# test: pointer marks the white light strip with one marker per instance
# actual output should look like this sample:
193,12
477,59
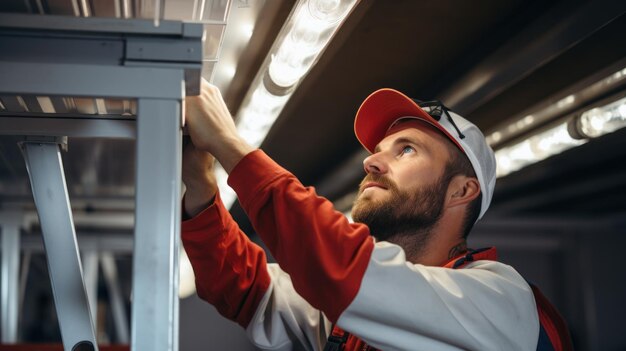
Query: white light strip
590,124
303,38
534,149
525,124
308,32
255,120
602,120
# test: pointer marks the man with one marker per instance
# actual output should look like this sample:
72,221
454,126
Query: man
415,287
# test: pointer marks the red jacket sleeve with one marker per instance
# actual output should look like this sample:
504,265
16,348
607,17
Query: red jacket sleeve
324,254
230,270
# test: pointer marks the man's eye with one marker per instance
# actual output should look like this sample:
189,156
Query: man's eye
408,149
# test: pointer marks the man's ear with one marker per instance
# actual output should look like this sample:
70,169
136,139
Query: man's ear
462,190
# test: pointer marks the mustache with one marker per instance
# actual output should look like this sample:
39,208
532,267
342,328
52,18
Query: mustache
382,180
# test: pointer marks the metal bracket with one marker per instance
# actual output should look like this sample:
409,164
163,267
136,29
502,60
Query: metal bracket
61,141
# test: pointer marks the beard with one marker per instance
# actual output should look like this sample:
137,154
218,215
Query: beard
404,215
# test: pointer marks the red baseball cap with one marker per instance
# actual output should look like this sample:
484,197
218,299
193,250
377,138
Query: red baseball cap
379,112
384,107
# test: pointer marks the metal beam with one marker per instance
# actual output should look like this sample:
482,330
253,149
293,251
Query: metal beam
157,49
90,270
45,47
152,73
118,307
45,169
117,243
10,223
529,51
72,127
103,42
23,279
102,25
101,49
157,226
108,220
90,80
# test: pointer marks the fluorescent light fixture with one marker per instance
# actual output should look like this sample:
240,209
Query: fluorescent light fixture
258,117
602,120
534,149
302,40
592,123
310,29
586,92
574,130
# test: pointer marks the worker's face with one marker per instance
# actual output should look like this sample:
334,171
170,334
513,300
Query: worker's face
403,190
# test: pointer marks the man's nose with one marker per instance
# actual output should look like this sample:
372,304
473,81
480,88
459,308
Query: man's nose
375,164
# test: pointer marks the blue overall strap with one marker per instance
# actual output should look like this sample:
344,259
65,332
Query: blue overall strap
544,343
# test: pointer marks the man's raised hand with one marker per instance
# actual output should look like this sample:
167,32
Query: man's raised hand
212,128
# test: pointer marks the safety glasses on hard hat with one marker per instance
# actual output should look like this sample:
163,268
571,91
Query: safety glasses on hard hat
436,109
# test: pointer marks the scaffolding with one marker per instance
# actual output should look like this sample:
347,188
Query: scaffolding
146,69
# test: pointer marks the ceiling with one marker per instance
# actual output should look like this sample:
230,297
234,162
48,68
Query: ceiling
532,53
492,61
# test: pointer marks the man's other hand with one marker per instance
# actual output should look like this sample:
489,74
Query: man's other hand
199,178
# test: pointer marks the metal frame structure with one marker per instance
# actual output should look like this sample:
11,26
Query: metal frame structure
11,248
108,58
45,169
